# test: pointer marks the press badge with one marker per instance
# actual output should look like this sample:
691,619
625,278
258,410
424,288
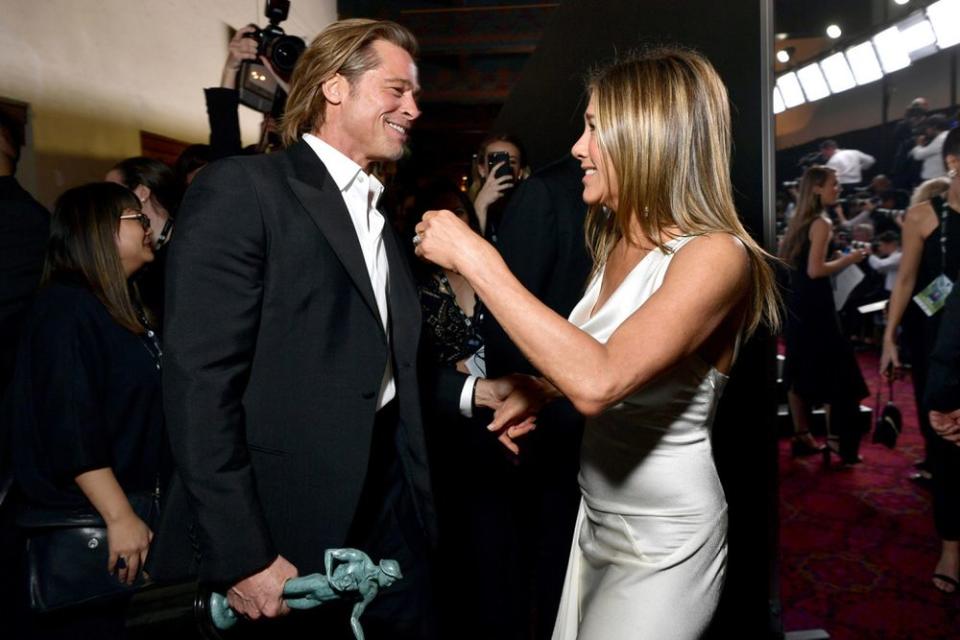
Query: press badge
932,299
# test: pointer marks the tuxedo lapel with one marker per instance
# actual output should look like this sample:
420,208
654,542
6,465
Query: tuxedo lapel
323,202
403,300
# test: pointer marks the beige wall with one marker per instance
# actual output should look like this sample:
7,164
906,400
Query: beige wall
97,72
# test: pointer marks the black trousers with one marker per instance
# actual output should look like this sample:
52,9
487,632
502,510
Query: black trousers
945,464
506,526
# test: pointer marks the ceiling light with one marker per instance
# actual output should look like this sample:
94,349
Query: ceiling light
778,106
813,83
783,56
945,18
891,49
838,73
834,31
864,64
790,90
901,2
918,36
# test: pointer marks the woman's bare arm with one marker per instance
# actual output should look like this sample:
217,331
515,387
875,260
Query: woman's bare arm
705,282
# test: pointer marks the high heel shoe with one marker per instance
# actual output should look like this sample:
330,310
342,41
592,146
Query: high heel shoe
804,445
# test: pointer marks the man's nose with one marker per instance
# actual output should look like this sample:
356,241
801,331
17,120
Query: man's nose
410,108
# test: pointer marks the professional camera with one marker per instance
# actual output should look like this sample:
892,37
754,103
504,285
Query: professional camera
281,50
256,87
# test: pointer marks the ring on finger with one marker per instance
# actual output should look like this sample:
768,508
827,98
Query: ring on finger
417,239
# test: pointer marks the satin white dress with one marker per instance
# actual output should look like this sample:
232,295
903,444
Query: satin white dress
649,553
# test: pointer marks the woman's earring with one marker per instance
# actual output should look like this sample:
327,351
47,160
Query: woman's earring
952,173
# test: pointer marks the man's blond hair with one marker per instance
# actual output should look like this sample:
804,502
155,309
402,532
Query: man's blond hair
344,47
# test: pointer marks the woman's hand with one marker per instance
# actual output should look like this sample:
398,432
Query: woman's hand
241,48
519,409
492,190
857,255
129,540
446,240
889,358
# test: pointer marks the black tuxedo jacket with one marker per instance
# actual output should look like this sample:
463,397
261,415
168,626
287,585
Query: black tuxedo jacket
274,355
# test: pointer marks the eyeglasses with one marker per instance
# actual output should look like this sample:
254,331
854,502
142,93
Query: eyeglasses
142,217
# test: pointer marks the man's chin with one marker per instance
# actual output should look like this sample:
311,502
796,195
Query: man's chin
395,153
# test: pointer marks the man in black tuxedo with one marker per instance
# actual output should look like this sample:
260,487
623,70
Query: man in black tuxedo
525,512
292,328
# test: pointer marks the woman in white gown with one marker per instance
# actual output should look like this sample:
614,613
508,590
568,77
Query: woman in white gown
644,353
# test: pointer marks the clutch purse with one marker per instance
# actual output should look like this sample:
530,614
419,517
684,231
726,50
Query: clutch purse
889,421
67,554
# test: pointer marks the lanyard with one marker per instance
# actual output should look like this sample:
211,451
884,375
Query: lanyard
944,212
150,340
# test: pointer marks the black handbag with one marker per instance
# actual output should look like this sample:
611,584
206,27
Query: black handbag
67,554
889,420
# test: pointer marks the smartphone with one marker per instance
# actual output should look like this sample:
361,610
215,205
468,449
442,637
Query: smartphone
493,159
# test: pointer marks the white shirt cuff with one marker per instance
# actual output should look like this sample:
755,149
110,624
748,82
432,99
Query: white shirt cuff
466,397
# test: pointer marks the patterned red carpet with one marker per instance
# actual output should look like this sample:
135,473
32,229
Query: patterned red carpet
858,547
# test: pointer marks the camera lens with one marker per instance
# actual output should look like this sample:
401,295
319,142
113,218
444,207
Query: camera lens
285,51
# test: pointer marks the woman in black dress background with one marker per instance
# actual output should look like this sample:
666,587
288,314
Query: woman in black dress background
820,365
931,248
85,401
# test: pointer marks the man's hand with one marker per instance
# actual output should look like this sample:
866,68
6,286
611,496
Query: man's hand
240,49
492,394
947,425
262,593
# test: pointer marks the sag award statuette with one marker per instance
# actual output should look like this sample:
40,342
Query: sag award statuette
350,574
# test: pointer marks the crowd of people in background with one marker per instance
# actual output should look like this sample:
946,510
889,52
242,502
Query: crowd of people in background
901,232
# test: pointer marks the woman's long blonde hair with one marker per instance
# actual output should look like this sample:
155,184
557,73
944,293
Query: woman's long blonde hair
663,121
809,208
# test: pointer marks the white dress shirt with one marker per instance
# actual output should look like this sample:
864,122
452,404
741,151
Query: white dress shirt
932,157
888,267
361,192
849,165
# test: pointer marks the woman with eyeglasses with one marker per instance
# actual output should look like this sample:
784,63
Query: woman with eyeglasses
159,190
85,402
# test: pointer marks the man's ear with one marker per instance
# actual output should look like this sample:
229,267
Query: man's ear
142,192
334,88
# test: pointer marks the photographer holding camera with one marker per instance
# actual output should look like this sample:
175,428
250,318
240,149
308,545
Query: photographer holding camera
501,163
251,50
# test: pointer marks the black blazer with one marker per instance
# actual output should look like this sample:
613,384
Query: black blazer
943,377
274,354
541,238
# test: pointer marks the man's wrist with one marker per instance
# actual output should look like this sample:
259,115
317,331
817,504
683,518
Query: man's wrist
468,397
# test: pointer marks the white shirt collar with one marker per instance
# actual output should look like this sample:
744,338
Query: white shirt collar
342,169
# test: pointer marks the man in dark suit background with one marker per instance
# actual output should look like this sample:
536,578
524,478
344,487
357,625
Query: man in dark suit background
525,512
292,328
24,228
